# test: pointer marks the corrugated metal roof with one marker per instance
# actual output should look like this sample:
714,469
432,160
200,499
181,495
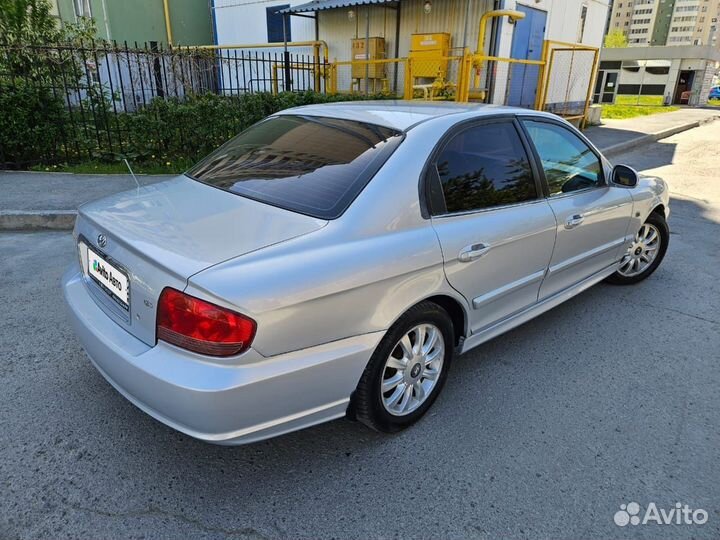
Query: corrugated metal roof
320,5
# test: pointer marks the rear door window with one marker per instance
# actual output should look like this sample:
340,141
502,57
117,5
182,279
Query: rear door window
485,166
307,164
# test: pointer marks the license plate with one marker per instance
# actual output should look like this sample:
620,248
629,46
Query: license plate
113,280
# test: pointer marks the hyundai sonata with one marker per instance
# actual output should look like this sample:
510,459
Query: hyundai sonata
331,260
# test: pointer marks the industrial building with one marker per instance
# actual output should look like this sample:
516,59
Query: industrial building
397,29
673,75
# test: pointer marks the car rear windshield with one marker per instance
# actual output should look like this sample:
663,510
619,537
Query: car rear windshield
311,165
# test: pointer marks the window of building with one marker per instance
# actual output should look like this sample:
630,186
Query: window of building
82,8
581,27
485,166
275,22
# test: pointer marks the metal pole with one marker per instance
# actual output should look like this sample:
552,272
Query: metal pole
397,46
642,80
367,49
168,25
465,29
286,56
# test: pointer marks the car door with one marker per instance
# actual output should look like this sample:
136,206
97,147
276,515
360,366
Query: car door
495,228
592,216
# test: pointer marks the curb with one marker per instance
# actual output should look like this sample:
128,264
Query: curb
65,173
653,137
37,220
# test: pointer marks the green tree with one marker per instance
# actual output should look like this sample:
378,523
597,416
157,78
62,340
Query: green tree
28,22
615,39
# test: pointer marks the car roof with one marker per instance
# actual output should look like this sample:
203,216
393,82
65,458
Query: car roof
397,114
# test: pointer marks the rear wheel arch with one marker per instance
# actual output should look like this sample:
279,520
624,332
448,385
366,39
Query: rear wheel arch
369,401
455,310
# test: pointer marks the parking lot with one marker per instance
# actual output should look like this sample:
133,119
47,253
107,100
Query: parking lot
544,432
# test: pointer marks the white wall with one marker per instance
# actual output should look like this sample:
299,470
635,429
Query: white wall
563,24
244,21
563,21
241,22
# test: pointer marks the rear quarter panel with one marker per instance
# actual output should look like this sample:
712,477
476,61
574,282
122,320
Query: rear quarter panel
356,275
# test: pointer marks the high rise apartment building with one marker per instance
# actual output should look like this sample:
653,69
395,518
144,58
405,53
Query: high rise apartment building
667,22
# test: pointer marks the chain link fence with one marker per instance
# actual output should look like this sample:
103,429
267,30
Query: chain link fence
567,80
560,81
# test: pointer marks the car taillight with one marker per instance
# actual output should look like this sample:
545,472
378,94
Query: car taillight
200,326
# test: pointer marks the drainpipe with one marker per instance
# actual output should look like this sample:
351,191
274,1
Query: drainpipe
494,47
286,55
168,26
397,44
105,20
465,29
367,48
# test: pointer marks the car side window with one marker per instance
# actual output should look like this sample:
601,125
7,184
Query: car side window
485,166
569,163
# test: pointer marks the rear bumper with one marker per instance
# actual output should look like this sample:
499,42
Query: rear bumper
246,399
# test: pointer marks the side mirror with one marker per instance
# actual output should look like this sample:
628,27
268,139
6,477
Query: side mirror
624,176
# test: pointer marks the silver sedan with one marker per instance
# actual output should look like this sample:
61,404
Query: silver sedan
332,260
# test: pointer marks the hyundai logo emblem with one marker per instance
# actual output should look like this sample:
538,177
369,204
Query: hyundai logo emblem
102,241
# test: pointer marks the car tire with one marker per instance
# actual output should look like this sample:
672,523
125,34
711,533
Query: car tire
626,275
399,385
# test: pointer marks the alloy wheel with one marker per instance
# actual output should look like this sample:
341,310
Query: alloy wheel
412,370
642,252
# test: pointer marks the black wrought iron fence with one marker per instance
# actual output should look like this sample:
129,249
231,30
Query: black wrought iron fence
100,100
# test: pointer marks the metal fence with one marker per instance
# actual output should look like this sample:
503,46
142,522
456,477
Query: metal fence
101,87
101,84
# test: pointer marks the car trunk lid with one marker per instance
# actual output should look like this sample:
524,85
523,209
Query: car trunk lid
160,235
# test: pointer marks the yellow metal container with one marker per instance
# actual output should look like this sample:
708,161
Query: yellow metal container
426,53
376,45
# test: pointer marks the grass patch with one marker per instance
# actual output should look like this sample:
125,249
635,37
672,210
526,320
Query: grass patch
638,100
619,112
99,167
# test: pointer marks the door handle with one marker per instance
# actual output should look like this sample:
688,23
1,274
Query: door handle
472,252
574,221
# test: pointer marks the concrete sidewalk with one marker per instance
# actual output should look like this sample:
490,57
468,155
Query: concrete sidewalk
616,136
36,200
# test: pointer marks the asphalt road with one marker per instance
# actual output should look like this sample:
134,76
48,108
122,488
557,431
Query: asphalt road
544,432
